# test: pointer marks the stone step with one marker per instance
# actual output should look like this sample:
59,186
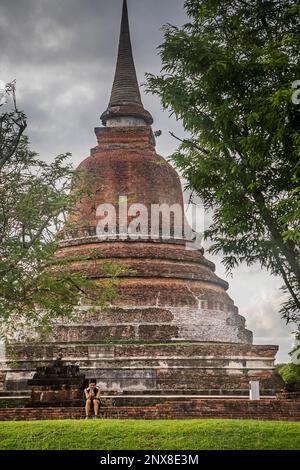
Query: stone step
14,402
115,399
133,400
131,350
167,366
214,393
13,393
156,363
188,409
182,379
11,399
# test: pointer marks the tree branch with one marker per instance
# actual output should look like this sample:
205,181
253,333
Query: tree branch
190,143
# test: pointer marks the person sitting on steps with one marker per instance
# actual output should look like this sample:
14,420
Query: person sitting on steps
92,395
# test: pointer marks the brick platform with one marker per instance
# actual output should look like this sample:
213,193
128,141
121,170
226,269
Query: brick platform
159,367
181,409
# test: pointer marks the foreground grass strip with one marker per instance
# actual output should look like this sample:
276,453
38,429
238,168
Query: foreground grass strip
149,435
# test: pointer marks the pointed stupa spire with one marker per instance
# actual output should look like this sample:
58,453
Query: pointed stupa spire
125,100
125,88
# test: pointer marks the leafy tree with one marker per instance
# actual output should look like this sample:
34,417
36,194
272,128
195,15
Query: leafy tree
12,126
35,198
290,373
230,75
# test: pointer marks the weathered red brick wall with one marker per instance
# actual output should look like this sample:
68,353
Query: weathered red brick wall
125,164
188,409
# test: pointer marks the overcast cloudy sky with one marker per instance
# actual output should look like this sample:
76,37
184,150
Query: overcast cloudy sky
62,54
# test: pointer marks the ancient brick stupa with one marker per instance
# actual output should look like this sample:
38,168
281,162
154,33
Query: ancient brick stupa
172,326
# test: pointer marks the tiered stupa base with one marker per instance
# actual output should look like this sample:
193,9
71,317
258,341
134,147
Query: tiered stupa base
172,329
195,367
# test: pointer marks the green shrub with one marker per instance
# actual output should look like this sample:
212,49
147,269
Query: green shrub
280,366
290,373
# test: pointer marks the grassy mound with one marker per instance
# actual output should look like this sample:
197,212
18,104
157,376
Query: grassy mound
149,435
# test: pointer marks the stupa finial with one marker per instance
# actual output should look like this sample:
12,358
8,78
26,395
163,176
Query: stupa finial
125,100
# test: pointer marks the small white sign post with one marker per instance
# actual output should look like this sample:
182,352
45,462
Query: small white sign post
254,390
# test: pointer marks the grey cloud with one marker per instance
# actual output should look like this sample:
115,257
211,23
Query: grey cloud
58,49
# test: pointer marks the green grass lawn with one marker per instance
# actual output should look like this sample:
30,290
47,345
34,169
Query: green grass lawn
149,435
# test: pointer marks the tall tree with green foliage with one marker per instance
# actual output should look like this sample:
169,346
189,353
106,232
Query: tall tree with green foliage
35,199
230,74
